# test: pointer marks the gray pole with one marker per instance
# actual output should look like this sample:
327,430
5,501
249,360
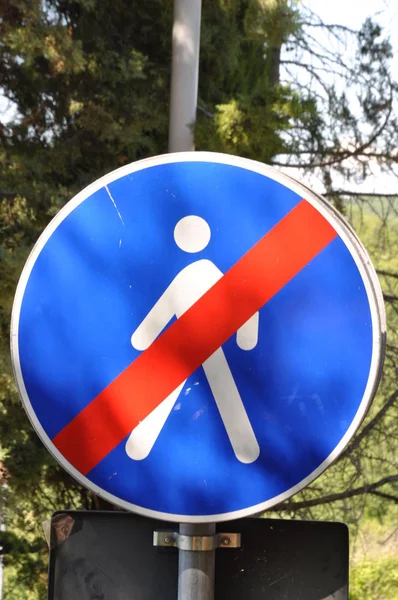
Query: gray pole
196,568
184,74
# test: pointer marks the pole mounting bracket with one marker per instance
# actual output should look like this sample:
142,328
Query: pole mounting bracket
196,543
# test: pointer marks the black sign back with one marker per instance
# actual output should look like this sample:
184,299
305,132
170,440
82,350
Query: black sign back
110,556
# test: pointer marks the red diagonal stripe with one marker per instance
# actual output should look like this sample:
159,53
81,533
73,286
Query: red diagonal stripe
190,340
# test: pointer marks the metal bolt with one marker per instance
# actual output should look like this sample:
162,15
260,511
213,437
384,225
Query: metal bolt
167,539
225,541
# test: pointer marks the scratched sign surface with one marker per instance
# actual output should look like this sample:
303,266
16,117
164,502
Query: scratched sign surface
196,337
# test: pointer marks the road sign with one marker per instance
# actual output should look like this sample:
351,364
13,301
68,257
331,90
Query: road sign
196,336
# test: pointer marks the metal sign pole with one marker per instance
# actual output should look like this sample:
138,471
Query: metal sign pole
197,545
195,567
184,74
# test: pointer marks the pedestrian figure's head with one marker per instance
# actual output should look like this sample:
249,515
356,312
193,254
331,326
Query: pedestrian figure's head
192,234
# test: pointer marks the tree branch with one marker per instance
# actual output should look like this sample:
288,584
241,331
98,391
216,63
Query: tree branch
12,195
335,157
364,489
371,425
386,496
329,26
387,273
359,194
205,112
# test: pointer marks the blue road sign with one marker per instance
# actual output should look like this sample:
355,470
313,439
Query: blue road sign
197,337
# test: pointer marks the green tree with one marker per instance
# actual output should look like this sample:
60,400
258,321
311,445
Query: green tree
88,85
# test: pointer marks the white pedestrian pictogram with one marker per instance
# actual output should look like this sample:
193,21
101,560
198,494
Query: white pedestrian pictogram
192,234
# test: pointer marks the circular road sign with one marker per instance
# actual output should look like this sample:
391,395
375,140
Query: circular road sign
196,337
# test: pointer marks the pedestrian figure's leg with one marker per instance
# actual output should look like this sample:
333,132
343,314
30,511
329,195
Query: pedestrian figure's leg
230,405
143,437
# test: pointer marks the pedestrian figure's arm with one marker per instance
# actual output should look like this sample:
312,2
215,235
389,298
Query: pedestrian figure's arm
154,323
247,335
